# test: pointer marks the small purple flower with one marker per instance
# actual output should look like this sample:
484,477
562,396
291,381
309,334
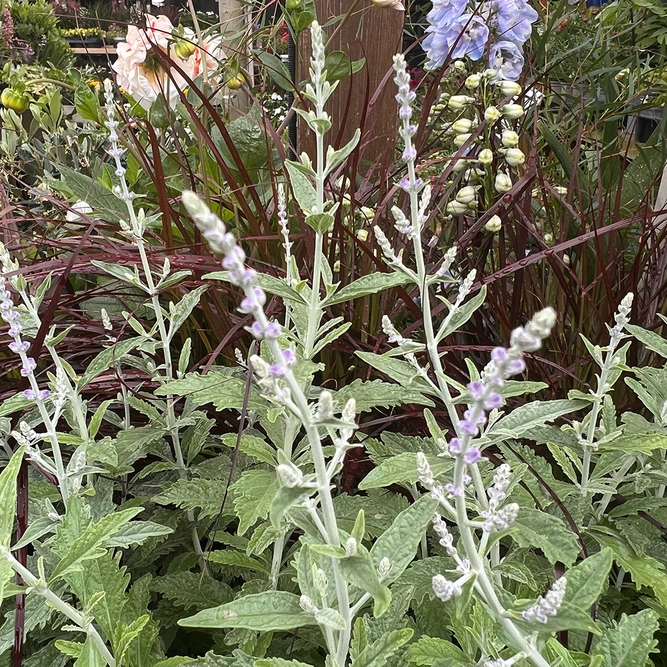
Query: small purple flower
476,389
273,330
289,357
257,330
506,58
276,371
472,456
15,330
9,315
248,276
28,367
409,154
516,366
455,491
248,305
494,400
259,295
468,427
441,18
455,446
29,394
499,354
405,112
43,394
17,347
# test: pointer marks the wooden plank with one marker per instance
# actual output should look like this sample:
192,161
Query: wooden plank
373,33
94,50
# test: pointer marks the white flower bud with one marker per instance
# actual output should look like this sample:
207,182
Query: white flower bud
457,102
307,604
622,74
566,260
473,81
462,125
466,195
514,157
362,235
509,87
460,139
367,212
459,65
336,266
485,156
560,190
502,183
460,165
456,208
489,73
491,114
512,111
548,238
289,475
351,547
510,138
494,225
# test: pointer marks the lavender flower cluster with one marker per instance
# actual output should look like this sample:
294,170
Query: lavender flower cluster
18,345
460,28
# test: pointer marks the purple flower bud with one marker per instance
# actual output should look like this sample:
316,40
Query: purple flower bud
494,400
29,394
259,295
276,371
499,354
468,427
257,330
248,277
10,315
273,330
289,357
516,366
455,446
476,389
405,112
43,394
17,347
455,491
28,367
248,305
472,456
467,479
409,153
6,304
15,330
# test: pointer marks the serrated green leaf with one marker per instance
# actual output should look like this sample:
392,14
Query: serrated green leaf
651,339
398,370
91,543
271,610
377,394
548,533
400,542
183,309
629,643
428,650
90,655
586,581
137,532
369,284
100,198
193,590
253,495
379,652
533,414
107,358
190,494
401,469
462,315
637,442
238,559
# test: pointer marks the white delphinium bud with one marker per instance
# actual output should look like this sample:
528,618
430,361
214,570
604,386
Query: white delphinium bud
509,87
461,139
489,73
512,111
473,81
514,157
445,590
566,259
307,605
548,238
362,235
384,567
485,156
457,208
549,604
325,408
509,138
491,114
462,125
424,470
466,195
459,65
289,475
502,182
351,546
457,102
336,266
494,225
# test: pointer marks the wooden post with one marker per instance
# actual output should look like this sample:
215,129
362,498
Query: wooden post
374,33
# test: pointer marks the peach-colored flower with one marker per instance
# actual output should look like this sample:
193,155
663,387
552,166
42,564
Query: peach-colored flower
209,54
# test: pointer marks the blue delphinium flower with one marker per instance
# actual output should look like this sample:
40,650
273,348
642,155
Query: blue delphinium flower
441,18
469,35
514,20
506,58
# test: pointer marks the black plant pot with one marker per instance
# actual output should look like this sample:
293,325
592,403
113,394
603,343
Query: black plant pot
84,42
